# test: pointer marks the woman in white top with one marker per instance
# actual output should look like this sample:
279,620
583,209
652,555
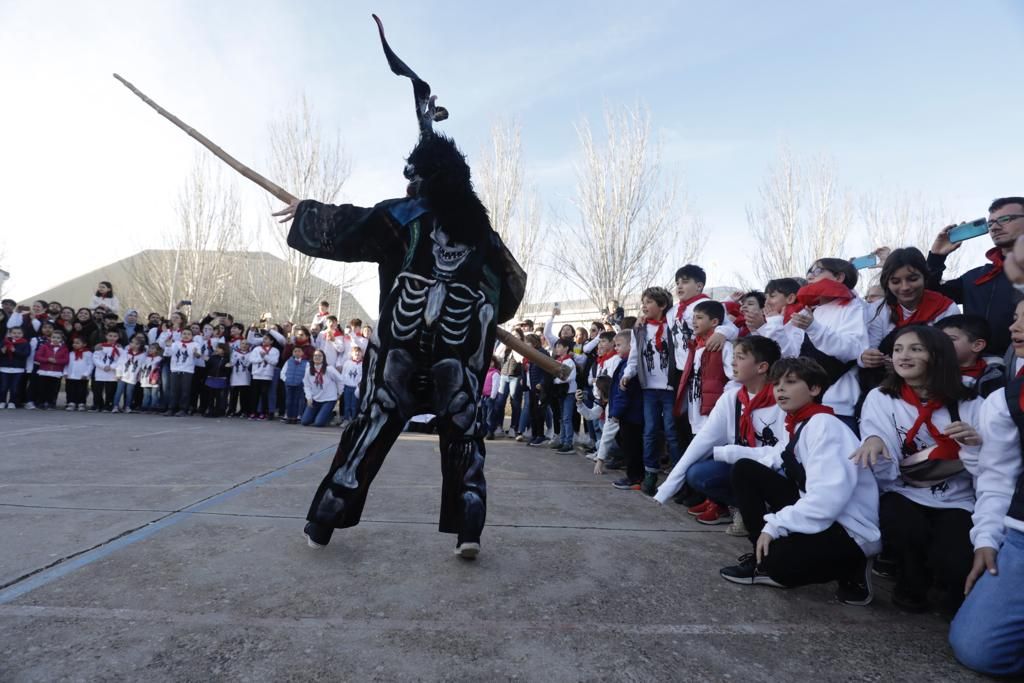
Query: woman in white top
918,435
105,297
322,385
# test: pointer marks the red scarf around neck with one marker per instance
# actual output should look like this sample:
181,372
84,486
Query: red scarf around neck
563,357
945,447
789,310
659,336
79,353
823,291
685,303
601,360
931,306
995,255
975,370
764,398
113,348
318,375
9,344
794,420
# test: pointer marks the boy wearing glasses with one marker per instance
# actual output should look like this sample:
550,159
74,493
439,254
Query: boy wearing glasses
984,291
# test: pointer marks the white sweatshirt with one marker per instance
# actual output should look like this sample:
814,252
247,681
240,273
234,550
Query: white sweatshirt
840,331
998,470
182,356
112,304
657,368
788,337
263,361
327,392
146,366
890,419
351,373
106,358
692,394
571,364
129,366
79,368
682,329
881,324
718,436
837,489
241,376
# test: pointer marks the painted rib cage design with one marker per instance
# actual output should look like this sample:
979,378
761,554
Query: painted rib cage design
423,302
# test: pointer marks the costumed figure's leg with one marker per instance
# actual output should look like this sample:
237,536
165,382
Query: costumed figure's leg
385,407
461,430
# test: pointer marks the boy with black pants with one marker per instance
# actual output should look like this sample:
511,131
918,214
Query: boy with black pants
821,522
625,408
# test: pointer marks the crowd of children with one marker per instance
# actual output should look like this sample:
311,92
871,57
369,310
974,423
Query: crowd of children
842,436
216,367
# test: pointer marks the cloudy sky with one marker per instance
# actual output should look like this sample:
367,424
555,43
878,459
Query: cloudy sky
913,97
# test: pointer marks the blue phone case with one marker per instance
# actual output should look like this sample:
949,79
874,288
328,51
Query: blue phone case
967,231
862,262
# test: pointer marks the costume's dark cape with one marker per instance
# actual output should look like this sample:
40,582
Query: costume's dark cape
429,353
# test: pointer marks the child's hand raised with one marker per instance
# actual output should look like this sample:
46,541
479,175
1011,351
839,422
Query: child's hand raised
803,319
872,358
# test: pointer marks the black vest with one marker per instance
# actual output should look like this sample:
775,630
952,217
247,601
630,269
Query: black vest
1013,391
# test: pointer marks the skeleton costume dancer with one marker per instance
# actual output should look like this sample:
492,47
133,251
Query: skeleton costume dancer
446,280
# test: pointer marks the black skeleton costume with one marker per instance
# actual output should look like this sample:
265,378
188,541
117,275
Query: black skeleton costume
446,280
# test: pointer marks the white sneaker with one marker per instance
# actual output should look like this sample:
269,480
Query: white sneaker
736,528
30,406
311,543
468,551
70,408
127,410
116,410
11,406
82,408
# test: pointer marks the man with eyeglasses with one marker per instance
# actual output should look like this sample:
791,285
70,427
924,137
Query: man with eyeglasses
986,290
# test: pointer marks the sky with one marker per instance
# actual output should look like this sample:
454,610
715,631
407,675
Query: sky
921,98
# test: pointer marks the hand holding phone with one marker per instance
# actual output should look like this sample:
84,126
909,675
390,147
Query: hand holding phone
968,231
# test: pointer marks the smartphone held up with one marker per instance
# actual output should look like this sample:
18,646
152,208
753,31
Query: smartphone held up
968,231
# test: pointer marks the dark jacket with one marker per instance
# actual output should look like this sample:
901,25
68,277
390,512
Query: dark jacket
640,339
992,300
16,358
628,405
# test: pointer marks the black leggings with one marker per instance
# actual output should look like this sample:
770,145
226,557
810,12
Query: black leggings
103,395
45,389
796,559
929,542
77,390
630,439
240,400
261,396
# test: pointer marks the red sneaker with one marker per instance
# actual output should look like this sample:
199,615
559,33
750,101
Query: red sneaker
715,514
699,509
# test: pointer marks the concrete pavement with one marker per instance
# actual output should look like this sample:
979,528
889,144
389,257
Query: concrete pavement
150,548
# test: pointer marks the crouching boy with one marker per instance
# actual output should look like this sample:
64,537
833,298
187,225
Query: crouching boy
816,521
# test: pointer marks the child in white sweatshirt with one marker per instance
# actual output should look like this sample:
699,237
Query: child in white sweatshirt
823,519
77,373
322,385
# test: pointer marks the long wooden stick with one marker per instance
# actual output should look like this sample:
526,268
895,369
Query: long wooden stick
544,361
271,187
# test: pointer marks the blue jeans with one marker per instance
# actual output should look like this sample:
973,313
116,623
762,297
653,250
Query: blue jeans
524,415
165,384
294,401
150,398
713,479
987,633
318,413
568,406
350,404
9,386
658,418
127,391
272,397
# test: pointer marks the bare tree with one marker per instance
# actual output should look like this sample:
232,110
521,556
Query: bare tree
803,214
515,211
195,263
629,220
311,165
898,219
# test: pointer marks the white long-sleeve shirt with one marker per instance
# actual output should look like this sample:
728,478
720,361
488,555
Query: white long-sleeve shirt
263,361
998,470
890,419
79,368
880,321
106,357
241,376
841,332
112,304
837,490
326,392
788,337
182,356
719,432
681,329
571,381
129,366
656,362
147,364
694,387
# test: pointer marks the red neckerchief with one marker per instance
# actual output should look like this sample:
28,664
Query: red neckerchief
113,348
563,357
931,306
659,336
300,344
789,310
79,353
9,344
42,317
995,255
820,292
601,360
763,399
975,370
337,332
945,447
793,420
685,303
318,375
733,309
691,358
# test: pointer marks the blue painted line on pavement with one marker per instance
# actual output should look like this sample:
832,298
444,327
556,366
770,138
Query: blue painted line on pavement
46,576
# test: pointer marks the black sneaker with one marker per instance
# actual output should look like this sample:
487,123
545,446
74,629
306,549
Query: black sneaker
650,484
915,603
537,441
626,484
745,573
856,590
566,448
886,567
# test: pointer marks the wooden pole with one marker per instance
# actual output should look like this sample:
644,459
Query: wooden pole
547,363
272,188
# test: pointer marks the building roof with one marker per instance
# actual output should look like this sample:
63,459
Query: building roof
245,284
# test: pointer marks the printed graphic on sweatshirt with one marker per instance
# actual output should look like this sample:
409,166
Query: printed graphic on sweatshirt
651,353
